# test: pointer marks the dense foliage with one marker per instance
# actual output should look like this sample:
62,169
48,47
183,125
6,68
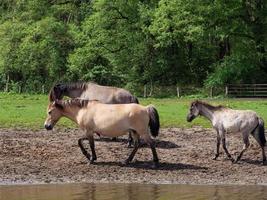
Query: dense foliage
132,43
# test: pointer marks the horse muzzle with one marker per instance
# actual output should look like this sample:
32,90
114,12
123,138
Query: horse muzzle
190,118
48,127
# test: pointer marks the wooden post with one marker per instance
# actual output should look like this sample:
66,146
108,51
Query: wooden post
211,92
226,90
178,92
19,89
7,84
145,91
43,89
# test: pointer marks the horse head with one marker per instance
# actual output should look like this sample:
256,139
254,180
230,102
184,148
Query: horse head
193,111
54,113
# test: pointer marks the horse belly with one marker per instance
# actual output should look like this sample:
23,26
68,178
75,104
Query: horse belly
111,132
112,128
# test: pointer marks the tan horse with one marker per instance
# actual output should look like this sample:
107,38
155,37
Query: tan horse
108,120
93,91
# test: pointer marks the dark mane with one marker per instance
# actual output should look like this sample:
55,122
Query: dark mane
57,91
211,107
76,85
81,103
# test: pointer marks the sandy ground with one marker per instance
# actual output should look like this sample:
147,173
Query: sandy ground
185,157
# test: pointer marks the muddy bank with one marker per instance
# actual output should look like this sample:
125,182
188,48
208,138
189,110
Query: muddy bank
185,157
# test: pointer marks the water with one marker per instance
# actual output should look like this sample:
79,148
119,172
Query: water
130,192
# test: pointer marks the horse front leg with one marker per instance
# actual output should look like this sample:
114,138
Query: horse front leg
217,146
136,146
226,150
92,146
80,143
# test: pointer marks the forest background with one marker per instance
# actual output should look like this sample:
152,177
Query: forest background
131,43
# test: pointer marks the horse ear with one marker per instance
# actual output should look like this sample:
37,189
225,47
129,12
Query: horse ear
63,87
58,104
51,95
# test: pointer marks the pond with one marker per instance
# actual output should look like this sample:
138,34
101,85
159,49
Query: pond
130,192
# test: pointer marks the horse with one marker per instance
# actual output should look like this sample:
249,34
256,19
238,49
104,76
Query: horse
93,91
225,120
108,120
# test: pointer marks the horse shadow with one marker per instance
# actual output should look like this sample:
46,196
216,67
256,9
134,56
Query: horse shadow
252,162
149,165
108,139
161,144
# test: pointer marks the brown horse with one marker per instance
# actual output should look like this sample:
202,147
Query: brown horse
108,120
93,91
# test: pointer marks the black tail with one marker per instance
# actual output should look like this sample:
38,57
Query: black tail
153,120
258,133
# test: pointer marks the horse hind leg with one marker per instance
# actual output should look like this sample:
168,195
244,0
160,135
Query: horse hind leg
245,147
263,155
84,152
152,145
259,136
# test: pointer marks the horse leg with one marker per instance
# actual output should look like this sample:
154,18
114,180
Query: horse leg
262,148
225,149
80,143
263,155
130,140
136,146
92,146
217,146
151,143
245,147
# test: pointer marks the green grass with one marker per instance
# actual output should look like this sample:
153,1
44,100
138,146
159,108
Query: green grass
29,111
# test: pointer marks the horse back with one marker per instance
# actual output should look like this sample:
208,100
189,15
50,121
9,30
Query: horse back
108,95
236,120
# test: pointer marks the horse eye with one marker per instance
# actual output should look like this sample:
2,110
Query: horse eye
49,112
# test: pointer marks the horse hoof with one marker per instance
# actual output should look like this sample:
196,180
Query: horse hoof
124,163
234,161
214,158
92,162
88,157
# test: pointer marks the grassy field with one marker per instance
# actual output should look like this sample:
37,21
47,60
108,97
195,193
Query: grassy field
29,111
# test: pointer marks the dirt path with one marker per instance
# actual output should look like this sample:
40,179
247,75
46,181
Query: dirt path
185,157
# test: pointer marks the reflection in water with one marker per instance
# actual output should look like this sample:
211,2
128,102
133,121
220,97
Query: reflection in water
130,192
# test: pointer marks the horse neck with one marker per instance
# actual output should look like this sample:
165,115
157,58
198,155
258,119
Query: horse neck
207,112
74,93
71,112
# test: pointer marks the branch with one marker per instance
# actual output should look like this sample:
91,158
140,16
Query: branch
115,50
120,13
